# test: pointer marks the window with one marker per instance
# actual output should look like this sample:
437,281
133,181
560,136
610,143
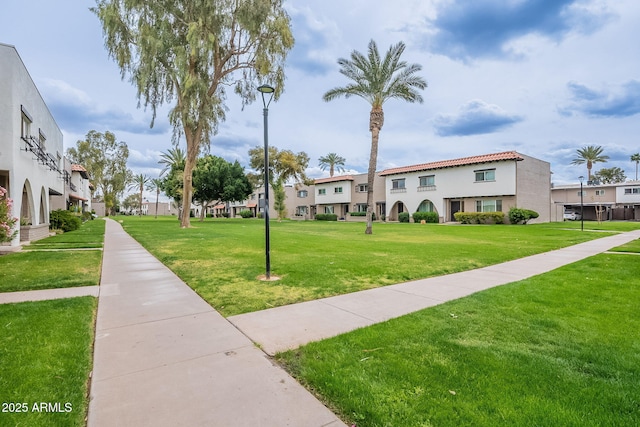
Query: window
361,188
488,205
427,181
635,190
397,184
337,190
328,209
42,140
485,175
361,207
302,210
599,192
426,206
322,191
26,123
303,193
582,193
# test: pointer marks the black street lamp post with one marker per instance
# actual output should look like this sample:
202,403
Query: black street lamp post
581,178
268,90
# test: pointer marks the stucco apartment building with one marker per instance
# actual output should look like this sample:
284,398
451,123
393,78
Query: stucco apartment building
343,195
486,183
31,148
601,201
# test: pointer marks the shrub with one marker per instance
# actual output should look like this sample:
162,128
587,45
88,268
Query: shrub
479,217
326,217
403,217
430,217
86,216
246,213
64,220
521,216
357,213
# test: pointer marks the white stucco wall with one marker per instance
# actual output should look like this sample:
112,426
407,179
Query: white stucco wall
17,92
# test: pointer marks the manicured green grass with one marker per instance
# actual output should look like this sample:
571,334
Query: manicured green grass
89,235
221,259
559,349
28,271
46,357
49,269
633,247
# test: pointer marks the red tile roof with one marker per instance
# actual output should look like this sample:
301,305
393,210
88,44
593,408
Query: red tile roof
486,158
81,169
334,179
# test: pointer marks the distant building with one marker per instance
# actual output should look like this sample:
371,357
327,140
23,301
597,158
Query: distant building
605,202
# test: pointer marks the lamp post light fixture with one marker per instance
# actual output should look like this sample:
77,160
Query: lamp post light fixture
268,91
581,178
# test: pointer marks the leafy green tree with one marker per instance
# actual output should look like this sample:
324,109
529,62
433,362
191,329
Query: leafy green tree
377,80
636,158
140,182
190,52
132,201
610,175
173,185
333,162
105,160
589,155
217,180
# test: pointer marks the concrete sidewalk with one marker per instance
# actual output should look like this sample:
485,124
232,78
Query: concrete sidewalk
291,326
164,357
47,294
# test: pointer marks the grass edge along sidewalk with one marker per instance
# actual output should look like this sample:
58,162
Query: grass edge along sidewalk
556,349
222,259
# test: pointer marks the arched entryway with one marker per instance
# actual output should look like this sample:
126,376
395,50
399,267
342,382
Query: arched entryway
396,209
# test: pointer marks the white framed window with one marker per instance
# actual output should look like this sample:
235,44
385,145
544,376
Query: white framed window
427,181
635,190
398,184
322,191
303,193
328,209
599,192
488,205
426,206
302,210
582,193
485,175
26,123
337,190
42,139
361,207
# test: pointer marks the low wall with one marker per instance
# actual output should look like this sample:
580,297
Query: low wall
33,232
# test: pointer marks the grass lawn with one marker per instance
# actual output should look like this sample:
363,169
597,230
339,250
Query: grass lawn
559,349
221,259
46,357
46,269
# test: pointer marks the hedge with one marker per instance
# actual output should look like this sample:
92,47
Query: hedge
246,214
521,216
430,217
373,215
64,220
326,217
479,217
403,217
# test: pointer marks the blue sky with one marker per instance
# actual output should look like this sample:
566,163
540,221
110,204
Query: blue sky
543,77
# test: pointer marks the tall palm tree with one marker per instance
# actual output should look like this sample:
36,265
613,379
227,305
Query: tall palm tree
333,162
173,157
636,158
377,80
156,183
590,154
139,182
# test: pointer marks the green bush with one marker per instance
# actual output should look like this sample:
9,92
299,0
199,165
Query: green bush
521,216
357,213
479,217
326,217
86,216
430,217
403,217
246,214
64,220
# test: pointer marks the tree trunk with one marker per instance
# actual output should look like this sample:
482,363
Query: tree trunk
187,190
376,120
157,196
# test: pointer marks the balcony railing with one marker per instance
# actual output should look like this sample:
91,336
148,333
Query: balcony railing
32,145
